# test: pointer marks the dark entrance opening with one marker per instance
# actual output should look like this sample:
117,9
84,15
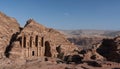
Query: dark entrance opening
47,49
36,41
33,53
42,41
24,42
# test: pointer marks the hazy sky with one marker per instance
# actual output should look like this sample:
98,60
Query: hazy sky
66,14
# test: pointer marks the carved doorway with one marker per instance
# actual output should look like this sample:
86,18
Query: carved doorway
33,53
47,49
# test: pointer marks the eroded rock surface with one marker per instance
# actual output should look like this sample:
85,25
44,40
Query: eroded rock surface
8,27
110,49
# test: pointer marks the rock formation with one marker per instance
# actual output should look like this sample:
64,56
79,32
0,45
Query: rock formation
8,27
32,41
110,49
91,54
35,41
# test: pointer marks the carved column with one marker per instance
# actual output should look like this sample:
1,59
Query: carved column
27,46
22,45
40,47
33,42
22,40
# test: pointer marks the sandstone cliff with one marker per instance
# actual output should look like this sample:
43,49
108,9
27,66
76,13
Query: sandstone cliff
8,27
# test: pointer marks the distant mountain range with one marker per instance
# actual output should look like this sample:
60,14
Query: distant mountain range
90,33
88,37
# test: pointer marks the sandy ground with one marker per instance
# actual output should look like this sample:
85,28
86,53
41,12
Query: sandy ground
54,65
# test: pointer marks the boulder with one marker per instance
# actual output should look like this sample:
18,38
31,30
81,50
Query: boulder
110,49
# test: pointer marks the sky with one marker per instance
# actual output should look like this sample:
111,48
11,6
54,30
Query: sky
66,14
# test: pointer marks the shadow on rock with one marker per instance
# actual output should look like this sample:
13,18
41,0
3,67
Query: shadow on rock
94,63
73,58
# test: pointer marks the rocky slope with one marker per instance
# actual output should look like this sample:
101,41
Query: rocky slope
8,27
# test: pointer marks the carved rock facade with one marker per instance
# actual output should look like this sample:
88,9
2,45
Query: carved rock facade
31,42
36,41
